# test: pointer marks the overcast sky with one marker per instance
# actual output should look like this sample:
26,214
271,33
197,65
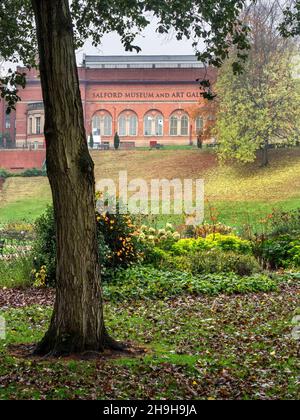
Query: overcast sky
150,42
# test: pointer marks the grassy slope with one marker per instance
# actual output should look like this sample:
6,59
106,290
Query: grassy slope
238,192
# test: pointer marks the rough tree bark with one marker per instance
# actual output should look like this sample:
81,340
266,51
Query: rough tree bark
77,323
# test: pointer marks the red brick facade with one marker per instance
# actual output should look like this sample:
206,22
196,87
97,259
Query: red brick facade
19,160
141,104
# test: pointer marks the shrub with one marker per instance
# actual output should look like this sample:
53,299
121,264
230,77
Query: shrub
118,244
116,141
44,249
4,174
278,252
213,241
141,282
217,261
91,141
282,223
33,172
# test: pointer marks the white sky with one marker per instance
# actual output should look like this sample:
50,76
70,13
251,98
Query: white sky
151,43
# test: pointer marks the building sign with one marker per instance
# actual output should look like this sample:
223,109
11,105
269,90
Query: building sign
144,95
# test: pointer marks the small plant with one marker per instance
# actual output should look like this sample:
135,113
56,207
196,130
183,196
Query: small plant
116,141
91,141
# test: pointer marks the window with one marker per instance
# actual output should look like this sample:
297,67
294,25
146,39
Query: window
153,123
199,125
159,125
122,125
133,125
107,122
148,125
179,124
96,126
184,131
102,124
38,125
7,121
173,125
30,126
128,124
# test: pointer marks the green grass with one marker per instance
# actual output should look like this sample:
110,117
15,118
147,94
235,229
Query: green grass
15,272
236,347
239,192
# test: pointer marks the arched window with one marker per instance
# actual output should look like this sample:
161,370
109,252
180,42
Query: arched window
153,123
179,124
199,124
184,129
122,125
133,125
159,125
102,124
107,125
148,125
128,124
173,126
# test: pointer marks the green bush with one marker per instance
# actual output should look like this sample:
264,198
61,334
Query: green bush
4,174
44,249
284,222
118,245
33,172
116,141
278,252
212,261
213,241
218,261
142,282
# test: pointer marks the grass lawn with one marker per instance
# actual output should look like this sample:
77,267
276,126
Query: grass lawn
240,193
224,347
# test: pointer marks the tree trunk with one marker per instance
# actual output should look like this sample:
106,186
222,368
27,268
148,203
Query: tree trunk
265,153
77,322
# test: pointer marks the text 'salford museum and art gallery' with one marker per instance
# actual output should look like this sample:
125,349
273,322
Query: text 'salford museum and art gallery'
143,98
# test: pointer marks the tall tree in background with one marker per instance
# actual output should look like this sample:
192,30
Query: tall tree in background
261,106
77,323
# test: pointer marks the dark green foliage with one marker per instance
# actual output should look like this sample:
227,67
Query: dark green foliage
33,172
26,174
279,252
4,174
116,141
91,142
44,250
147,282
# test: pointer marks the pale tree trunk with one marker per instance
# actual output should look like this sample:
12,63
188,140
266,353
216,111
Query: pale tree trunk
265,153
77,322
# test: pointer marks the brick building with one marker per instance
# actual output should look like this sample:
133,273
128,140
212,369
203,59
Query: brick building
143,98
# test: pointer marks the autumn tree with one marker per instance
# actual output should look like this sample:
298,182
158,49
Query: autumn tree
54,29
261,106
